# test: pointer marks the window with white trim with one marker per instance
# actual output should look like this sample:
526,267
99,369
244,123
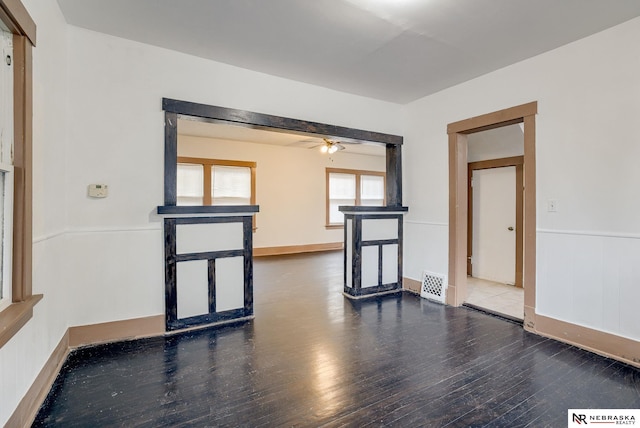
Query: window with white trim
352,188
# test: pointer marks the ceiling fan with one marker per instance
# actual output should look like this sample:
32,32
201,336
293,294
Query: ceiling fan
326,145
330,146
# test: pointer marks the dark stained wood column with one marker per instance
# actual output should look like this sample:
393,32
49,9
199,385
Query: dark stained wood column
170,158
394,175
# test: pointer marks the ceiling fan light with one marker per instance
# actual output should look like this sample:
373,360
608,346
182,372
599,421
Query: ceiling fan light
332,149
324,148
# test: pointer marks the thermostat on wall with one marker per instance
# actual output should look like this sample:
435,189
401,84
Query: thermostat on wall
98,190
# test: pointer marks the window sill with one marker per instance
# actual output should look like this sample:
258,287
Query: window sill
15,316
334,226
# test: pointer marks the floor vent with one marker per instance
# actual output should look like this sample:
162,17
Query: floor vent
433,286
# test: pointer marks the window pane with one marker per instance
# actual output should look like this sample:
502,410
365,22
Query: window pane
371,190
231,185
342,186
6,160
2,229
231,201
190,178
335,216
342,191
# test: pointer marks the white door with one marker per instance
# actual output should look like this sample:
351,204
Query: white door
494,222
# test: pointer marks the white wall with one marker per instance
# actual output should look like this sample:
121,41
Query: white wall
290,186
503,142
98,119
116,137
588,97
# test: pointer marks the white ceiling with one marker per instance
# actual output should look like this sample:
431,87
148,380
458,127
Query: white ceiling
224,132
393,50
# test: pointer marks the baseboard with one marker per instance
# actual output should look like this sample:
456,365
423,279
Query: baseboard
74,337
296,249
27,410
116,330
411,285
599,342
602,343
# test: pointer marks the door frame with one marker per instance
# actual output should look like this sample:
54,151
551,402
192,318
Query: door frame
518,163
458,200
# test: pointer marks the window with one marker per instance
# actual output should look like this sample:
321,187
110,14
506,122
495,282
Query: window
352,187
215,182
6,168
190,184
16,102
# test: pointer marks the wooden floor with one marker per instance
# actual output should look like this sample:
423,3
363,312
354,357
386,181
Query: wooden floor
313,358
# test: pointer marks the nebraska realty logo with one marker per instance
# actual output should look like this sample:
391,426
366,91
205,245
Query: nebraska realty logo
581,417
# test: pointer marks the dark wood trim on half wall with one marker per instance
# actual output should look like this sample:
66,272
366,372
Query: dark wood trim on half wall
172,258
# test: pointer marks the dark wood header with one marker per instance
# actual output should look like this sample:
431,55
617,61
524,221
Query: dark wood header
274,123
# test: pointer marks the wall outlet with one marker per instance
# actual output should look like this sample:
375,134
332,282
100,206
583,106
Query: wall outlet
98,190
552,205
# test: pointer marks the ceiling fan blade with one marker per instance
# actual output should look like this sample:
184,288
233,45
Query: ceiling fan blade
307,144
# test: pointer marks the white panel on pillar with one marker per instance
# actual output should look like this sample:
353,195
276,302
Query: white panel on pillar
369,266
349,248
202,237
192,288
378,229
229,283
390,264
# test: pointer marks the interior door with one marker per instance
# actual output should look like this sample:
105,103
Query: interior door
494,224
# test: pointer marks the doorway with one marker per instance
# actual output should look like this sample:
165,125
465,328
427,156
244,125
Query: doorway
459,133
494,248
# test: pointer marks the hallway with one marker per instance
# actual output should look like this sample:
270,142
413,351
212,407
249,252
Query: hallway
313,358
495,297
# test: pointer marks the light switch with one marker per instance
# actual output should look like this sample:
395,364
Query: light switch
98,190
552,205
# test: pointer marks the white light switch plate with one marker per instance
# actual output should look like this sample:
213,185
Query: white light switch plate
98,190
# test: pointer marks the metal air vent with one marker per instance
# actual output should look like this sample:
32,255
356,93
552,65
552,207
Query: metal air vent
433,286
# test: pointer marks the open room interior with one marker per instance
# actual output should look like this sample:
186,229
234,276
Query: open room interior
291,184
154,154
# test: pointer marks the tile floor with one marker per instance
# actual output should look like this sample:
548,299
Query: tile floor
496,297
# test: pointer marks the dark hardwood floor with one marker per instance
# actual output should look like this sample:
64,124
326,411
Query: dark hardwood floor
313,358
